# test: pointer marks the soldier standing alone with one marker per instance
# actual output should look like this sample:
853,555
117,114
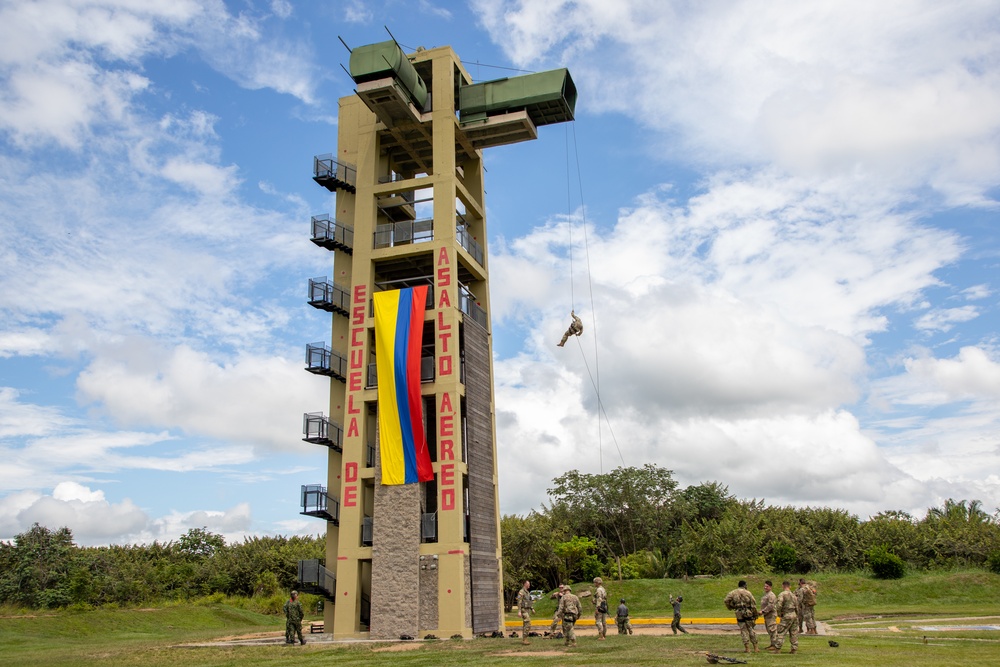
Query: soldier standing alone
570,610
600,608
742,601
525,606
806,595
767,610
786,606
293,619
675,624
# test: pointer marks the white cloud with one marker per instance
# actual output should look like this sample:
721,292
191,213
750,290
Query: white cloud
970,375
977,292
899,92
730,331
93,520
84,512
943,319
257,400
282,8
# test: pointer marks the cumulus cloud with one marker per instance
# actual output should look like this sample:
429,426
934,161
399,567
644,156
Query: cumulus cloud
256,400
729,330
93,520
898,92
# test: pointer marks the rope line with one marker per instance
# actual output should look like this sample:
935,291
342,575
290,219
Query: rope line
595,376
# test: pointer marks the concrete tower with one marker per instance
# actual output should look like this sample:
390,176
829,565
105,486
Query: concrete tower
422,557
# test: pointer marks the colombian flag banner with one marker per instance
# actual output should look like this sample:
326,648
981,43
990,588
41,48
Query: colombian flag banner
399,332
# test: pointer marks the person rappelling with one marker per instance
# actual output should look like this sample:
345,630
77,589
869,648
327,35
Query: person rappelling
575,329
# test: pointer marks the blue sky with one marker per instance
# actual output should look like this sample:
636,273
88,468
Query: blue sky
789,210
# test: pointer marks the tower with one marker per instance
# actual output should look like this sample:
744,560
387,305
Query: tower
423,557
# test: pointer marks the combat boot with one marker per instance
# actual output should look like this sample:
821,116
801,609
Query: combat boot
795,650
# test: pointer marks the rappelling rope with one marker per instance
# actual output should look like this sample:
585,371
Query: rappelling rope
595,377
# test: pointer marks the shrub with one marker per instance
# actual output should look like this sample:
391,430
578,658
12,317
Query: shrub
884,564
993,562
782,558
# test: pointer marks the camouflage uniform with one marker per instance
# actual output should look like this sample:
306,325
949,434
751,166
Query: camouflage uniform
806,595
744,604
767,610
557,617
622,620
785,606
570,610
675,624
575,329
600,617
524,608
293,620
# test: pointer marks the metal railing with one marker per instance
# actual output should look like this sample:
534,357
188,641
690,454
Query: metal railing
369,456
426,372
329,233
470,244
428,527
321,360
367,530
403,233
313,577
325,167
329,296
320,430
467,304
316,502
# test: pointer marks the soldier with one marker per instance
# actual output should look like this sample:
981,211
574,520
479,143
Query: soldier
525,606
569,609
806,595
293,619
785,606
557,617
622,619
600,608
767,611
675,624
575,328
742,601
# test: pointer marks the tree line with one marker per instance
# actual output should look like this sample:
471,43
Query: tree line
636,523
44,568
631,523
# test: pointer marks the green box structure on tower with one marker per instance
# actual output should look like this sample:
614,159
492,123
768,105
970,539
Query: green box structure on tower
413,534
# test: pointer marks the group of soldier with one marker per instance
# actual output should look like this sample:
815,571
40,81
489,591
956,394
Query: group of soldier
794,609
570,609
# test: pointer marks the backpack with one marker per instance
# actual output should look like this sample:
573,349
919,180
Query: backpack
809,596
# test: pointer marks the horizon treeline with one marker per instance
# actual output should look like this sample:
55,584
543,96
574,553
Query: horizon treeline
631,523
637,523
44,568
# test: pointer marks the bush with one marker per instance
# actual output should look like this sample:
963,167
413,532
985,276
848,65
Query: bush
782,558
993,562
884,564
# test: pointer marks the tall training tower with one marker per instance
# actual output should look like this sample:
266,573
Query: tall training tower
420,556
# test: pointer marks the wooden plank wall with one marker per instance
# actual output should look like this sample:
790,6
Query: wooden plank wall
486,584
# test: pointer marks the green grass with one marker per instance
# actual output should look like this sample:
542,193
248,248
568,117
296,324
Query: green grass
152,638
971,592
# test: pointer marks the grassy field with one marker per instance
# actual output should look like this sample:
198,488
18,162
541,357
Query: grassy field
876,624
970,593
